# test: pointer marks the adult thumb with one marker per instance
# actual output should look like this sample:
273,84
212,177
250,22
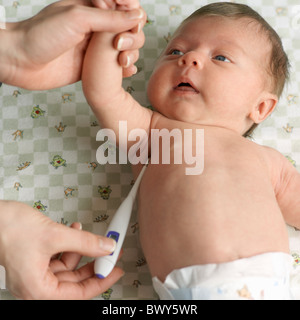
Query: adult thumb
113,20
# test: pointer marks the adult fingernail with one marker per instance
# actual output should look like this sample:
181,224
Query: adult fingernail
128,63
124,43
140,27
134,70
108,245
135,14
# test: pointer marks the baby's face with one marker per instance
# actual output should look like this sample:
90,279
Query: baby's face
213,72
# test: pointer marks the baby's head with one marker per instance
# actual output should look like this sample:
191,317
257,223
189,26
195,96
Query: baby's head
228,62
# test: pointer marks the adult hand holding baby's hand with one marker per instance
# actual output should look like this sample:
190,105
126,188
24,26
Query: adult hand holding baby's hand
128,43
117,4
47,50
29,240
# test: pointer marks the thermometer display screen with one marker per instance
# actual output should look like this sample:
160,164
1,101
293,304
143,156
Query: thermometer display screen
113,235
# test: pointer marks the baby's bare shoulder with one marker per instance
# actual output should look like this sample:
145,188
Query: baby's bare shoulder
281,169
271,153
274,160
286,185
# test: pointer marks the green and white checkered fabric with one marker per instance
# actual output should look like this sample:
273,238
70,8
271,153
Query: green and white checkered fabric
48,145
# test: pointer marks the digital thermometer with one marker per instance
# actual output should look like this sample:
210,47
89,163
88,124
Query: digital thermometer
117,230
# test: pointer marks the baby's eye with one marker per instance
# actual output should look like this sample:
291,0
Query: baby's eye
176,52
221,58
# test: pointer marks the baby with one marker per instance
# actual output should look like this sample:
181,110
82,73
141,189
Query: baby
220,234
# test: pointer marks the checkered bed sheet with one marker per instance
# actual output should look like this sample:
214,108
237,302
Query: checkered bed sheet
48,145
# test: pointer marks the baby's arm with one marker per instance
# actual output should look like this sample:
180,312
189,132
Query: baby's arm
287,188
102,85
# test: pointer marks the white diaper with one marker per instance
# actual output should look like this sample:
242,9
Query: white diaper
265,276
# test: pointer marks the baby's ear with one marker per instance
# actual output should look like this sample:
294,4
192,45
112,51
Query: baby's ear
264,108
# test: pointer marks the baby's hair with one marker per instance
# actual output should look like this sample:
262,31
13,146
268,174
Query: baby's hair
279,64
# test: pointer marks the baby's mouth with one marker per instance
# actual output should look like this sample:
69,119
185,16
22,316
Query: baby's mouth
186,87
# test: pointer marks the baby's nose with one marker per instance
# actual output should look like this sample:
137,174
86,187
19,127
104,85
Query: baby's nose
190,59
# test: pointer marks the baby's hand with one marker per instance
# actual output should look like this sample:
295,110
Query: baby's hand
105,4
128,43
127,4
117,4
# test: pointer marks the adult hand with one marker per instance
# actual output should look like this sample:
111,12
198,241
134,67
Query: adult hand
132,39
47,50
29,240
